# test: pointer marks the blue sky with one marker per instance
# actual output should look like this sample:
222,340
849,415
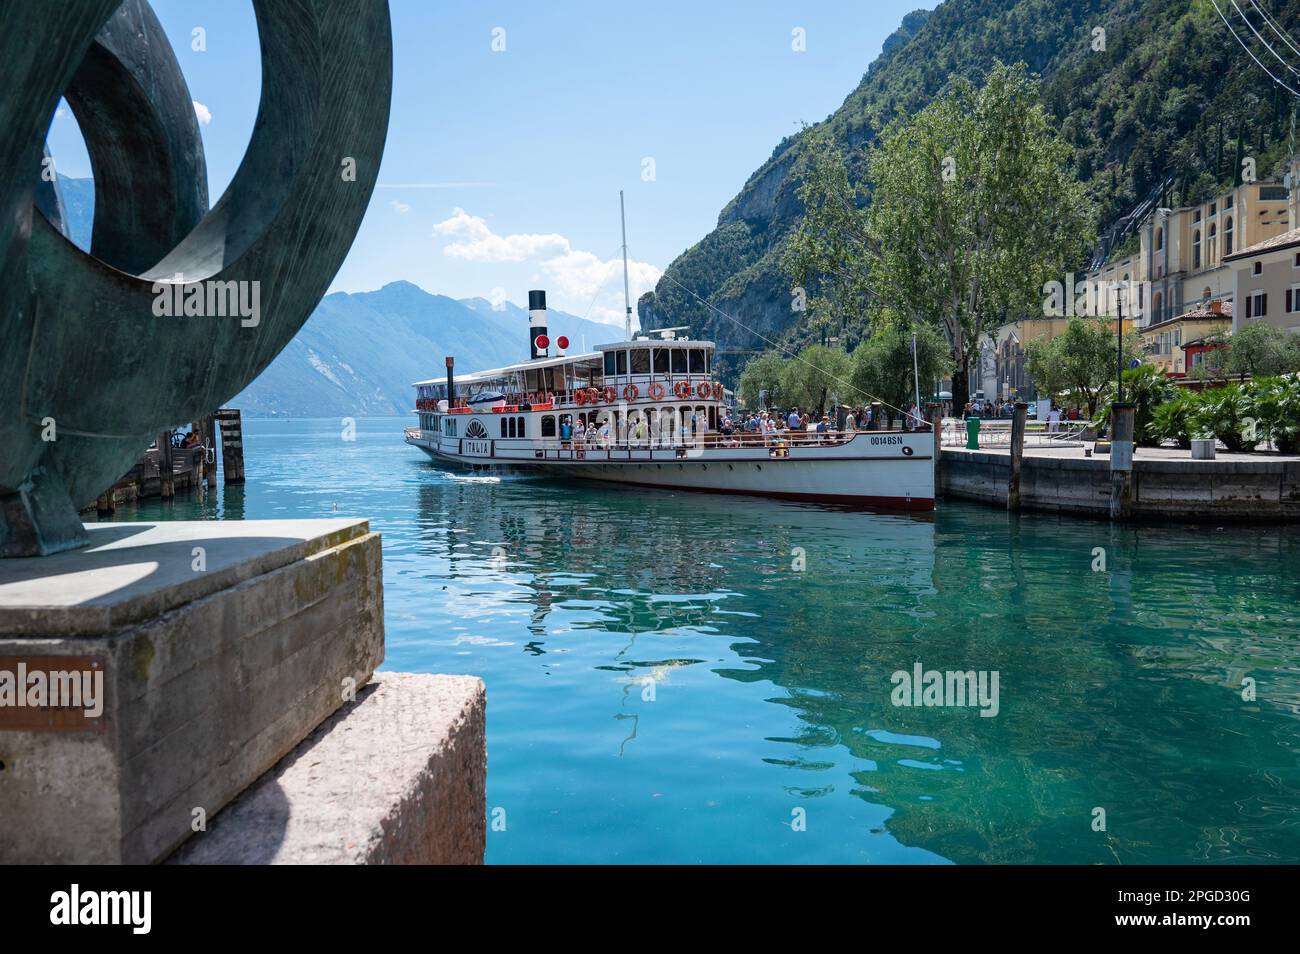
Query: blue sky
502,168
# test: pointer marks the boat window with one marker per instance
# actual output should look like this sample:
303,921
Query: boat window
521,426
661,360
713,418
697,361
622,362
609,363
641,361
548,425
679,361
503,427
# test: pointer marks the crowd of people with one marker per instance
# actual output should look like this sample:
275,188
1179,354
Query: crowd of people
734,426
773,425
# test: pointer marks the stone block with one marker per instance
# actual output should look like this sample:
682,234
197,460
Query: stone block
395,777
222,645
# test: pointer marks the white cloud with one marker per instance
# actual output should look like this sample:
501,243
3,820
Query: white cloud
401,208
578,275
201,111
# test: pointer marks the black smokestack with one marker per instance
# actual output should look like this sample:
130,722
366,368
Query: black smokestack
451,383
536,323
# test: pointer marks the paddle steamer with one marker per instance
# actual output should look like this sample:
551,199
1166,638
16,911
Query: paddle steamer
655,407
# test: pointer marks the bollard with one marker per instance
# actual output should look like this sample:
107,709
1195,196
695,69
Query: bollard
972,433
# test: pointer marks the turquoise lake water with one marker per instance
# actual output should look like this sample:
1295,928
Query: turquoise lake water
664,686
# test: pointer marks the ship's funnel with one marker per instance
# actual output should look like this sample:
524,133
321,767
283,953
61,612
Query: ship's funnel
538,341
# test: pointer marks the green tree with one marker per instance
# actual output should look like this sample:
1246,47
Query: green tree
882,365
1081,359
1262,349
826,254
974,209
762,373
815,375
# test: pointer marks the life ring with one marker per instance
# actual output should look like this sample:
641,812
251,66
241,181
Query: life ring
580,396
593,395
656,392
682,389
704,390
631,392
610,394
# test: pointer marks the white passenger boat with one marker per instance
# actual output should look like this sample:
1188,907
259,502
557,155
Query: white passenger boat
656,408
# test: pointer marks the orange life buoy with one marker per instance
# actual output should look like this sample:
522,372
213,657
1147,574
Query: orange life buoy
593,395
656,392
610,394
682,389
631,392
704,390
580,396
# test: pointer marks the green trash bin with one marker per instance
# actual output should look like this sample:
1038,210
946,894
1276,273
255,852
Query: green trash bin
972,433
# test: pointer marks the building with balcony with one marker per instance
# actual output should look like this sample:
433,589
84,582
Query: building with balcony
1183,258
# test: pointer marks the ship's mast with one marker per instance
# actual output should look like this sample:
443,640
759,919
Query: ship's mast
627,295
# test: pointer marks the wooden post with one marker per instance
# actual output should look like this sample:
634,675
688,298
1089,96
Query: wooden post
1121,461
232,445
207,472
166,479
1017,454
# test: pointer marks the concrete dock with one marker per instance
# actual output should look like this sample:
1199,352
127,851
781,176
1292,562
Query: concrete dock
1167,484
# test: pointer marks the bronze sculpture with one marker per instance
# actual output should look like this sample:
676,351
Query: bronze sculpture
94,357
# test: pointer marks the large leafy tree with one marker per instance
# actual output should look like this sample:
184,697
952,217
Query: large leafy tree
1262,349
1082,359
974,209
762,373
883,366
814,376
826,254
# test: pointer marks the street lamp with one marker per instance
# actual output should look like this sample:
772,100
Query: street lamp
1119,345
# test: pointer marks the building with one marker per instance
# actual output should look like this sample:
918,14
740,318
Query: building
1194,352
1164,340
1184,255
1267,282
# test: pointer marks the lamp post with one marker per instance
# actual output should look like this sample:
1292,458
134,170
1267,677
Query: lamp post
1119,347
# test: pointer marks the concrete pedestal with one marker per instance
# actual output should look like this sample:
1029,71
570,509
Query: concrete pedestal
396,777
221,644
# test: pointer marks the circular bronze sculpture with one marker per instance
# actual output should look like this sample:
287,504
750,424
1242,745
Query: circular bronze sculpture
177,307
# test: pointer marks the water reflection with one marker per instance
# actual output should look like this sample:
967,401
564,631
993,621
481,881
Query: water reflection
664,686
1120,690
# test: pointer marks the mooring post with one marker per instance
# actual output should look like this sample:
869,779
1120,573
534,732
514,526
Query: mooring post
232,445
207,473
1017,454
1121,460
166,479
106,502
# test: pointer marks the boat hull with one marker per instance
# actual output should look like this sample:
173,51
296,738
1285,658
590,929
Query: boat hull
896,472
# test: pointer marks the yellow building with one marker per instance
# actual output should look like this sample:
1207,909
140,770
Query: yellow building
1180,261
1164,340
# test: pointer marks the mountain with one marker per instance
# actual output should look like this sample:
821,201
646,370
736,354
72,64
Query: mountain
1165,89
358,353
